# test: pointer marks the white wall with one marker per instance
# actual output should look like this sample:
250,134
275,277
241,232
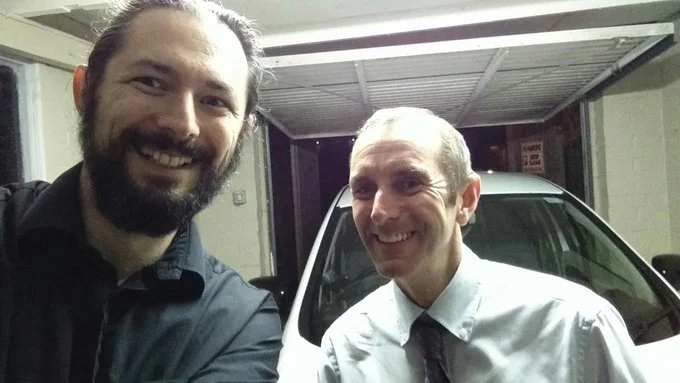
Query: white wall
236,235
670,76
634,153
59,121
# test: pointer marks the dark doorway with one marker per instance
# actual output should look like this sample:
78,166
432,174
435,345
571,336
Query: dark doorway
571,134
487,147
333,167
283,209
10,137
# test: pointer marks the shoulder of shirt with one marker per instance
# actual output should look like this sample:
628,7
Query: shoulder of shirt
21,192
15,201
538,289
222,279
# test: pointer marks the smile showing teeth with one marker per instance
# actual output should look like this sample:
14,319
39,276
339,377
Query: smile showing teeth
394,238
165,159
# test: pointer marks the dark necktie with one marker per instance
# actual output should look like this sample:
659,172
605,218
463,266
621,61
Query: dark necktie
428,333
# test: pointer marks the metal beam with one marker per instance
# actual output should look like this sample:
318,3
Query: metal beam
311,87
33,41
276,123
50,7
551,70
504,122
613,69
476,44
458,14
352,133
484,81
361,77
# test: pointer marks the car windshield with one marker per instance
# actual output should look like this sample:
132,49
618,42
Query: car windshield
547,233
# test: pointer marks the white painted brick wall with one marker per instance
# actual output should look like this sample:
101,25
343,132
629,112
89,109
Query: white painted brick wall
233,232
599,158
635,181
670,73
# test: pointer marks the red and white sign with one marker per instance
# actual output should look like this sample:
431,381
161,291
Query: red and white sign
532,157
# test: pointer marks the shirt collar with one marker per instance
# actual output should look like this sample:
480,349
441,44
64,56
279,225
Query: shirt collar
454,308
179,275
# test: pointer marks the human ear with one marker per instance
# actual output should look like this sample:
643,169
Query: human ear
79,87
469,199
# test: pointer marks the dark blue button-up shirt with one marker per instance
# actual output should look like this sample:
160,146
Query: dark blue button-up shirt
65,318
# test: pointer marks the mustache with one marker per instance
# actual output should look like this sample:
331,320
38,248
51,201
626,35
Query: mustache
164,142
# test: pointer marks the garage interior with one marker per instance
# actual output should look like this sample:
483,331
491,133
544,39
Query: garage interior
504,72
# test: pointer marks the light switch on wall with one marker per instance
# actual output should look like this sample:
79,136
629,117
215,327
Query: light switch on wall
239,197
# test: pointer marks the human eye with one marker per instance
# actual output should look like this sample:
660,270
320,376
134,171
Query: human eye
150,83
217,103
409,185
362,191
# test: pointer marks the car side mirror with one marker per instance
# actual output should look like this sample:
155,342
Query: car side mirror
668,265
281,293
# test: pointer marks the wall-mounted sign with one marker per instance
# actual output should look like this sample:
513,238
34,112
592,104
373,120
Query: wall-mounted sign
532,157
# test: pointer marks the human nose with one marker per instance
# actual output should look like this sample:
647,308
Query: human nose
385,207
179,117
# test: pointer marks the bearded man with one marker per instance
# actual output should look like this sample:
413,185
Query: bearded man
102,273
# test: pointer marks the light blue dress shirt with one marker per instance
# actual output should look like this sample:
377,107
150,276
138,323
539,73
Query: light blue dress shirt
505,324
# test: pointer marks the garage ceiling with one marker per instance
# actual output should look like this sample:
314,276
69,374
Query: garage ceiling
475,62
500,80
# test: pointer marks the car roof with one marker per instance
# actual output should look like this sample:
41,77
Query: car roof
495,183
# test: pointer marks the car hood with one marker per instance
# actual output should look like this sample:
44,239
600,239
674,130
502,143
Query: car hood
660,359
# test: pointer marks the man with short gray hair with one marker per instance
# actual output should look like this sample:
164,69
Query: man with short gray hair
446,315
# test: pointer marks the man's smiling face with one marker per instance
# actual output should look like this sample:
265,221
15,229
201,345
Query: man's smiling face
401,203
165,120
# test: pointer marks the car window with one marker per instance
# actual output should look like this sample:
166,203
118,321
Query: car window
542,233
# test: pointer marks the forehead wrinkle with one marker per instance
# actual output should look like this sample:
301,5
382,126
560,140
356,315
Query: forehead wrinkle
391,168
402,131
382,146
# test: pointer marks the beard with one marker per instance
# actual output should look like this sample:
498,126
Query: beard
154,209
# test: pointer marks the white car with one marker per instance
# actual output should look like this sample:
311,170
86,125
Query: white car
521,220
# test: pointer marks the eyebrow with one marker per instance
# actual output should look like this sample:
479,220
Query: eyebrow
411,172
403,173
165,69
168,70
357,179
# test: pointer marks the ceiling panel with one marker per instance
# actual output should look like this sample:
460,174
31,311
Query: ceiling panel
322,74
428,92
569,53
427,65
525,81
